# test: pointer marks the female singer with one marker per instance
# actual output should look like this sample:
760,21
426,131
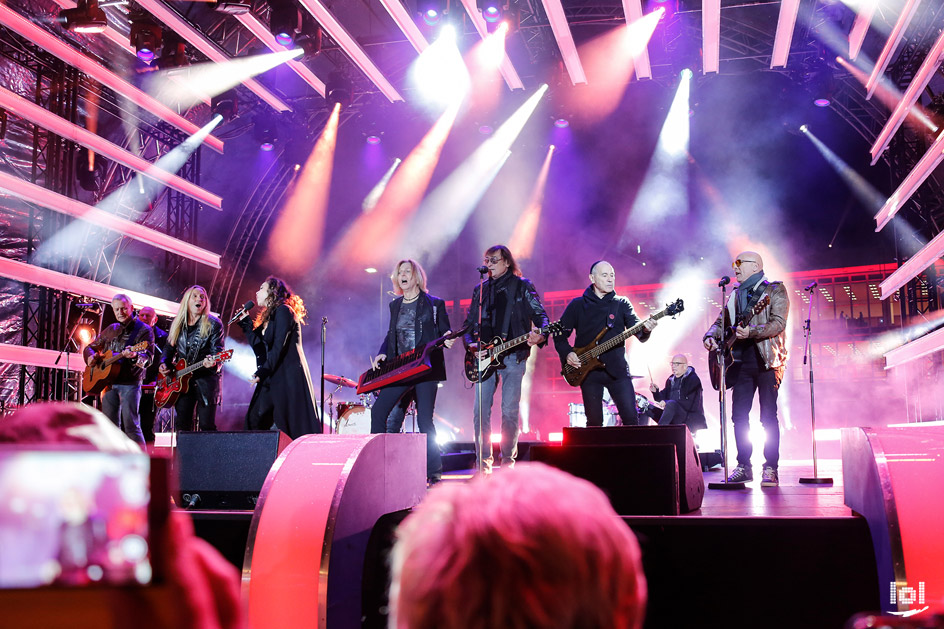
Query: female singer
416,318
283,385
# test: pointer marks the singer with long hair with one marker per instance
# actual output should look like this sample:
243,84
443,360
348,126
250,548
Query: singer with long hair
195,335
283,394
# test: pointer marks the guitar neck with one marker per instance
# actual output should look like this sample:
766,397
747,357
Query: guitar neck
620,338
507,345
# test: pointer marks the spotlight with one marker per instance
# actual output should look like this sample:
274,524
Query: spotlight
819,80
84,332
485,130
265,130
491,10
146,38
561,123
804,128
225,105
88,170
173,52
339,89
686,73
310,43
285,21
86,17
373,139
431,11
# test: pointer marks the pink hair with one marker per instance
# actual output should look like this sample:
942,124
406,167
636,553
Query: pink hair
530,547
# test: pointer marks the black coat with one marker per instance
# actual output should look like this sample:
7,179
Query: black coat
284,371
589,315
690,399
193,348
432,321
526,310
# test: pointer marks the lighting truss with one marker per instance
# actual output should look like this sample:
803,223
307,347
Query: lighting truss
891,45
507,69
263,34
402,17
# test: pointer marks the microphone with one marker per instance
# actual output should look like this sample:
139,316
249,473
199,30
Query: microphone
90,306
249,305
811,286
482,269
725,280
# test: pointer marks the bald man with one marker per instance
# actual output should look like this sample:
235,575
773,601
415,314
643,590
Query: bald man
760,358
682,395
598,310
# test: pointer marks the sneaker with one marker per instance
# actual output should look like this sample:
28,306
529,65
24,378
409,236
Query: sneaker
770,477
741,474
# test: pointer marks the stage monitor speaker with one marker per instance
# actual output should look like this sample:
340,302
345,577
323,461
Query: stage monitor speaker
691,479
638,479
225,470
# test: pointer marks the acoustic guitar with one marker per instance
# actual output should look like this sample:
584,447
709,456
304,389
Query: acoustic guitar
589,354
171,386
104,370
727,342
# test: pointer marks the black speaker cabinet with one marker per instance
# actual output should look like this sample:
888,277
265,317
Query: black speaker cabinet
638,479
691,480
225,470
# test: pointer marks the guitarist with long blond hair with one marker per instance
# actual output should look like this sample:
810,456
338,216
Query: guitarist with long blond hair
121,399
195,335
760,357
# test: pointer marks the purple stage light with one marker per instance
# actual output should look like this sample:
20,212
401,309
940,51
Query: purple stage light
821,102
485,130
373,139
561,123
491,14
431,17
284,39
146,55
267,146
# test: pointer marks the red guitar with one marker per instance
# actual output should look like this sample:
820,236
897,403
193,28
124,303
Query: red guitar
171,386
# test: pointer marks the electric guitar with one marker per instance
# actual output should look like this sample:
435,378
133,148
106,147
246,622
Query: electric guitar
170,387
727,342
588,354
104,370
478,369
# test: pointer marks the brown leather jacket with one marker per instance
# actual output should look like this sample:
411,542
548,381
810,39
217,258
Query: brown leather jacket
768,328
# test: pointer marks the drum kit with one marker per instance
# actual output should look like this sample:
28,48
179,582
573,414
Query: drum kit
348,418
645,408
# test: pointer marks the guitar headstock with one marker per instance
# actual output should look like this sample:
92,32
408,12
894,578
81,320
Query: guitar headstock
764,301
553,329
224,355
675,307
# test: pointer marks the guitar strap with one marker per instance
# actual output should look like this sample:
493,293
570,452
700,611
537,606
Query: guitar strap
759,292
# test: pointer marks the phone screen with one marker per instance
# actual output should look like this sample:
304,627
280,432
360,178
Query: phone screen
73,518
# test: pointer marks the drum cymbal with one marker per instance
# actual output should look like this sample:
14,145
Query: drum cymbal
340,380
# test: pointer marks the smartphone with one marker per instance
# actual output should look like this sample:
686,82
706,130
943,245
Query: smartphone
73,517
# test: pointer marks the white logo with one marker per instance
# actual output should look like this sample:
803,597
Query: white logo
907,595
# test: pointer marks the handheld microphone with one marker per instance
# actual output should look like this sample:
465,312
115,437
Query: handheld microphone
90,306
811,285
249,305
482,269
725,280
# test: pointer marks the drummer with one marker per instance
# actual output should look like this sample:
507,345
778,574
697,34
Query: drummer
682,395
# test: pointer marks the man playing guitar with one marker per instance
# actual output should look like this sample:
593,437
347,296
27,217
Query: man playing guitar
120,400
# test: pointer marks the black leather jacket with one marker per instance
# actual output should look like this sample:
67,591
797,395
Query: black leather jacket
194,348
526,310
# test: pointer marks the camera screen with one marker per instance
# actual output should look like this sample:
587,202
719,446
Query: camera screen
73,518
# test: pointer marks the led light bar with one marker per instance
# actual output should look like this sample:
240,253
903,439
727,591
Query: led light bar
36,357
784,37
262,33
922,346
565,40
925,257
199,41
348,44
922,170
711,35
861,26
632,9
23,108
32,193
891,44
23,27
506,68
406,24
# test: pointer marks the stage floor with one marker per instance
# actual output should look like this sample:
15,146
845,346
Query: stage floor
790,500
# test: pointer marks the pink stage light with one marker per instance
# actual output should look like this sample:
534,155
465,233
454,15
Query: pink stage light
784,36
565,40
861,26
507,69
263,34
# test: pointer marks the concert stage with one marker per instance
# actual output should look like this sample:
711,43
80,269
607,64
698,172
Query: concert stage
793,555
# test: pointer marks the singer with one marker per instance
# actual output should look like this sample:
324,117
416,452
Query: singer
195,335
509,306
283,394
760,357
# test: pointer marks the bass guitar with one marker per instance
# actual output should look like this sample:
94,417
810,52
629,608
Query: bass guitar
588,354
104,370
478,369
727,342
171,386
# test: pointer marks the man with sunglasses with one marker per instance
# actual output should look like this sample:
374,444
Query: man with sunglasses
510,307
760,357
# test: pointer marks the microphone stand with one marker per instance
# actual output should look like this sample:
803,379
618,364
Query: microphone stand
808,353
722,394
324,330
480,440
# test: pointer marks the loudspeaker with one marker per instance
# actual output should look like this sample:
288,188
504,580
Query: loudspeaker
691,480
225,470
638,479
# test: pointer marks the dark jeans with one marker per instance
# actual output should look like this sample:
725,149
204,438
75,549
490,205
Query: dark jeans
750,377
147,411
120,404
621,390
192,401
425,393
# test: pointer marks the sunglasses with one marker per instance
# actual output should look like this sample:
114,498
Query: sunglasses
737,263
679,363
493,259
